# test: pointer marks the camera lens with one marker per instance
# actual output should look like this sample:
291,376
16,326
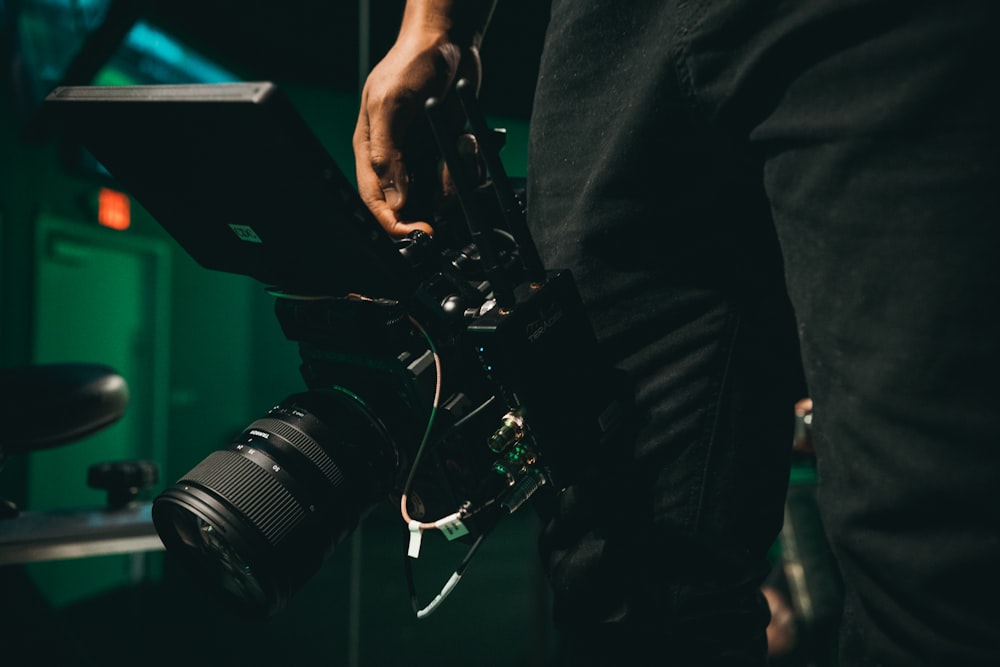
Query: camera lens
233,575
254,521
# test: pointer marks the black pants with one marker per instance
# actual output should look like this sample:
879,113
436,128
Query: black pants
745,189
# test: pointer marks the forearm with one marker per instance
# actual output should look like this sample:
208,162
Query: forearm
461,22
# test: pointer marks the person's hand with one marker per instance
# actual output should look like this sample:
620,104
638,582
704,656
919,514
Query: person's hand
781,630
426,60
802,441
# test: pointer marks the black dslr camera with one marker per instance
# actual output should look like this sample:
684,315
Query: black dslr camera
454,376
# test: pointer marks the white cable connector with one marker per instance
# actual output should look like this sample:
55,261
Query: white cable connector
416,533
451,526
436,602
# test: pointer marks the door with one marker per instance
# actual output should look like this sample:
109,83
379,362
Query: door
101,296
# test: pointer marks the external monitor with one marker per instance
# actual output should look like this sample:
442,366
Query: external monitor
237,177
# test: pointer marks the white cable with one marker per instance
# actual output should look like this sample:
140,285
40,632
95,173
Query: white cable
448,588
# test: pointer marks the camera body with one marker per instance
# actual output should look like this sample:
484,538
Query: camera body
453,375
536,364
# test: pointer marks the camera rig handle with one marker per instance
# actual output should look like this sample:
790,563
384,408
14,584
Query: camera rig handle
475,218
513,215
507,208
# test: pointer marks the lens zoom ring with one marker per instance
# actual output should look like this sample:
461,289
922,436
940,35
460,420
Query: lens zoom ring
254,492
303,443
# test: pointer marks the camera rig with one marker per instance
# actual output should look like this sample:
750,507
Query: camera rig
454,375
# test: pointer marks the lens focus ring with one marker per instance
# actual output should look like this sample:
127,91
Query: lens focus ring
303,443
254,492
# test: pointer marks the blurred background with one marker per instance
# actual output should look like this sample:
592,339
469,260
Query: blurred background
86,275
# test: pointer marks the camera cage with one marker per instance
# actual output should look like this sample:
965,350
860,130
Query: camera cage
237,177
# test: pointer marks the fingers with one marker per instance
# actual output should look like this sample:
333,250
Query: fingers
781,630
385,135
389,144
383,182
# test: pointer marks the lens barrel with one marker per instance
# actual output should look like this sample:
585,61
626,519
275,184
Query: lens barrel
255,521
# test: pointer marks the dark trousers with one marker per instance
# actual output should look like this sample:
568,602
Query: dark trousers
746,189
